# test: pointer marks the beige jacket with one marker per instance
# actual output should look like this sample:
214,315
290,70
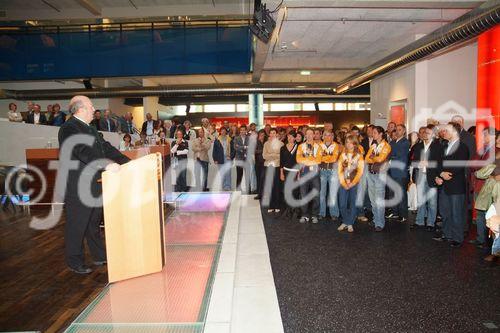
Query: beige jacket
200,149
271,153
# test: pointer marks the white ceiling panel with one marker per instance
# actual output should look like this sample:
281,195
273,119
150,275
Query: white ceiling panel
341,38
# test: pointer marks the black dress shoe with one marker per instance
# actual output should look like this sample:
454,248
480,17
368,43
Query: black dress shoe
415,226
81,270
455,244
378,229
475,242
429,228
440,238
100,262
257,197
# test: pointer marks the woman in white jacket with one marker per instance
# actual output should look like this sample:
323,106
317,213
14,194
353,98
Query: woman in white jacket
271,155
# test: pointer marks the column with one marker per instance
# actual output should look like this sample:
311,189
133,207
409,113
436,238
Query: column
488,81
150,105
255,110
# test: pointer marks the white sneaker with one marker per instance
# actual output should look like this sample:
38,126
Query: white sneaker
303,219
362,218
342,227
277,210
270,210
350,228
314,219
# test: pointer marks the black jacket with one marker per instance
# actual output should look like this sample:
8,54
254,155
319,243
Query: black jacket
434,156
30,119
87,156
455,163
218,152
145,126
365,143
469,141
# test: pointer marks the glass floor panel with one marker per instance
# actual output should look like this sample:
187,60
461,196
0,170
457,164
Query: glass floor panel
194,228
176,299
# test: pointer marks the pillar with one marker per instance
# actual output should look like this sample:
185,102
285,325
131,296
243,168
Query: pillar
488,81
150,105
255,110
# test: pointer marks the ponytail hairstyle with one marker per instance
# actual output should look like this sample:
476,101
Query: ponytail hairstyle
381,130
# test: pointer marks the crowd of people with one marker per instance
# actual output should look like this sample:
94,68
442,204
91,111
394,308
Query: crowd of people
312,174
53,117
316,173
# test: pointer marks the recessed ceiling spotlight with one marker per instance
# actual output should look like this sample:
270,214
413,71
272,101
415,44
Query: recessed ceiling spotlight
305,72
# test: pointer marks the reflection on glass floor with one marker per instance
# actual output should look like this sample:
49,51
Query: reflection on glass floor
176,299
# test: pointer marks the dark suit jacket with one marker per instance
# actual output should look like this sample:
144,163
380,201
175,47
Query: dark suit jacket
85,155
365,143
400,151
96,123
173,129
104,125
469,141
31,119
459,152
434,155
240,152
145,126
218,152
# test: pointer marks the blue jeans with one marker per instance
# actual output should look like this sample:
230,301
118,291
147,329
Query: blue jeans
481,226
401,208
226,176
363,200
328,179
427,201
376,191
347,203
452,208
201,174
495,248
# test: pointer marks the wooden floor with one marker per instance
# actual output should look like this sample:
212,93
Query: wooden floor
37,291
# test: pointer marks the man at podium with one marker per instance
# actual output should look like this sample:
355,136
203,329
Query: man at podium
85,153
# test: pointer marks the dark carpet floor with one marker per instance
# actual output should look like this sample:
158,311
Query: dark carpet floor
399,280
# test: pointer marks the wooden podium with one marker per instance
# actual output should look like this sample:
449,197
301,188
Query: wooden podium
133,215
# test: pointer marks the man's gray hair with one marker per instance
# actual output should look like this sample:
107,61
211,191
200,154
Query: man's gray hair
76,105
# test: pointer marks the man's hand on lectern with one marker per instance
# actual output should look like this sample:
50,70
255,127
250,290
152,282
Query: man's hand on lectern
113,167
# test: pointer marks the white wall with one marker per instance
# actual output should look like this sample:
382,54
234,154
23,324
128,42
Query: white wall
393,87
15,138
447,85
434,88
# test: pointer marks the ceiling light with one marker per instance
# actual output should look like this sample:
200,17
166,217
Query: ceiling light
305,72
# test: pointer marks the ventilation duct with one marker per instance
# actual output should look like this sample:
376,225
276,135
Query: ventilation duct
457,32
139,92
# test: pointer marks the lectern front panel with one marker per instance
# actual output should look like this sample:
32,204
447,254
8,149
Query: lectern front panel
133,218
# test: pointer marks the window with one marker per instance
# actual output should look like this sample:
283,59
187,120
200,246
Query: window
358,106
325,106
220,108
340,106
242,108
175,110
308,107
286,107
195,108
